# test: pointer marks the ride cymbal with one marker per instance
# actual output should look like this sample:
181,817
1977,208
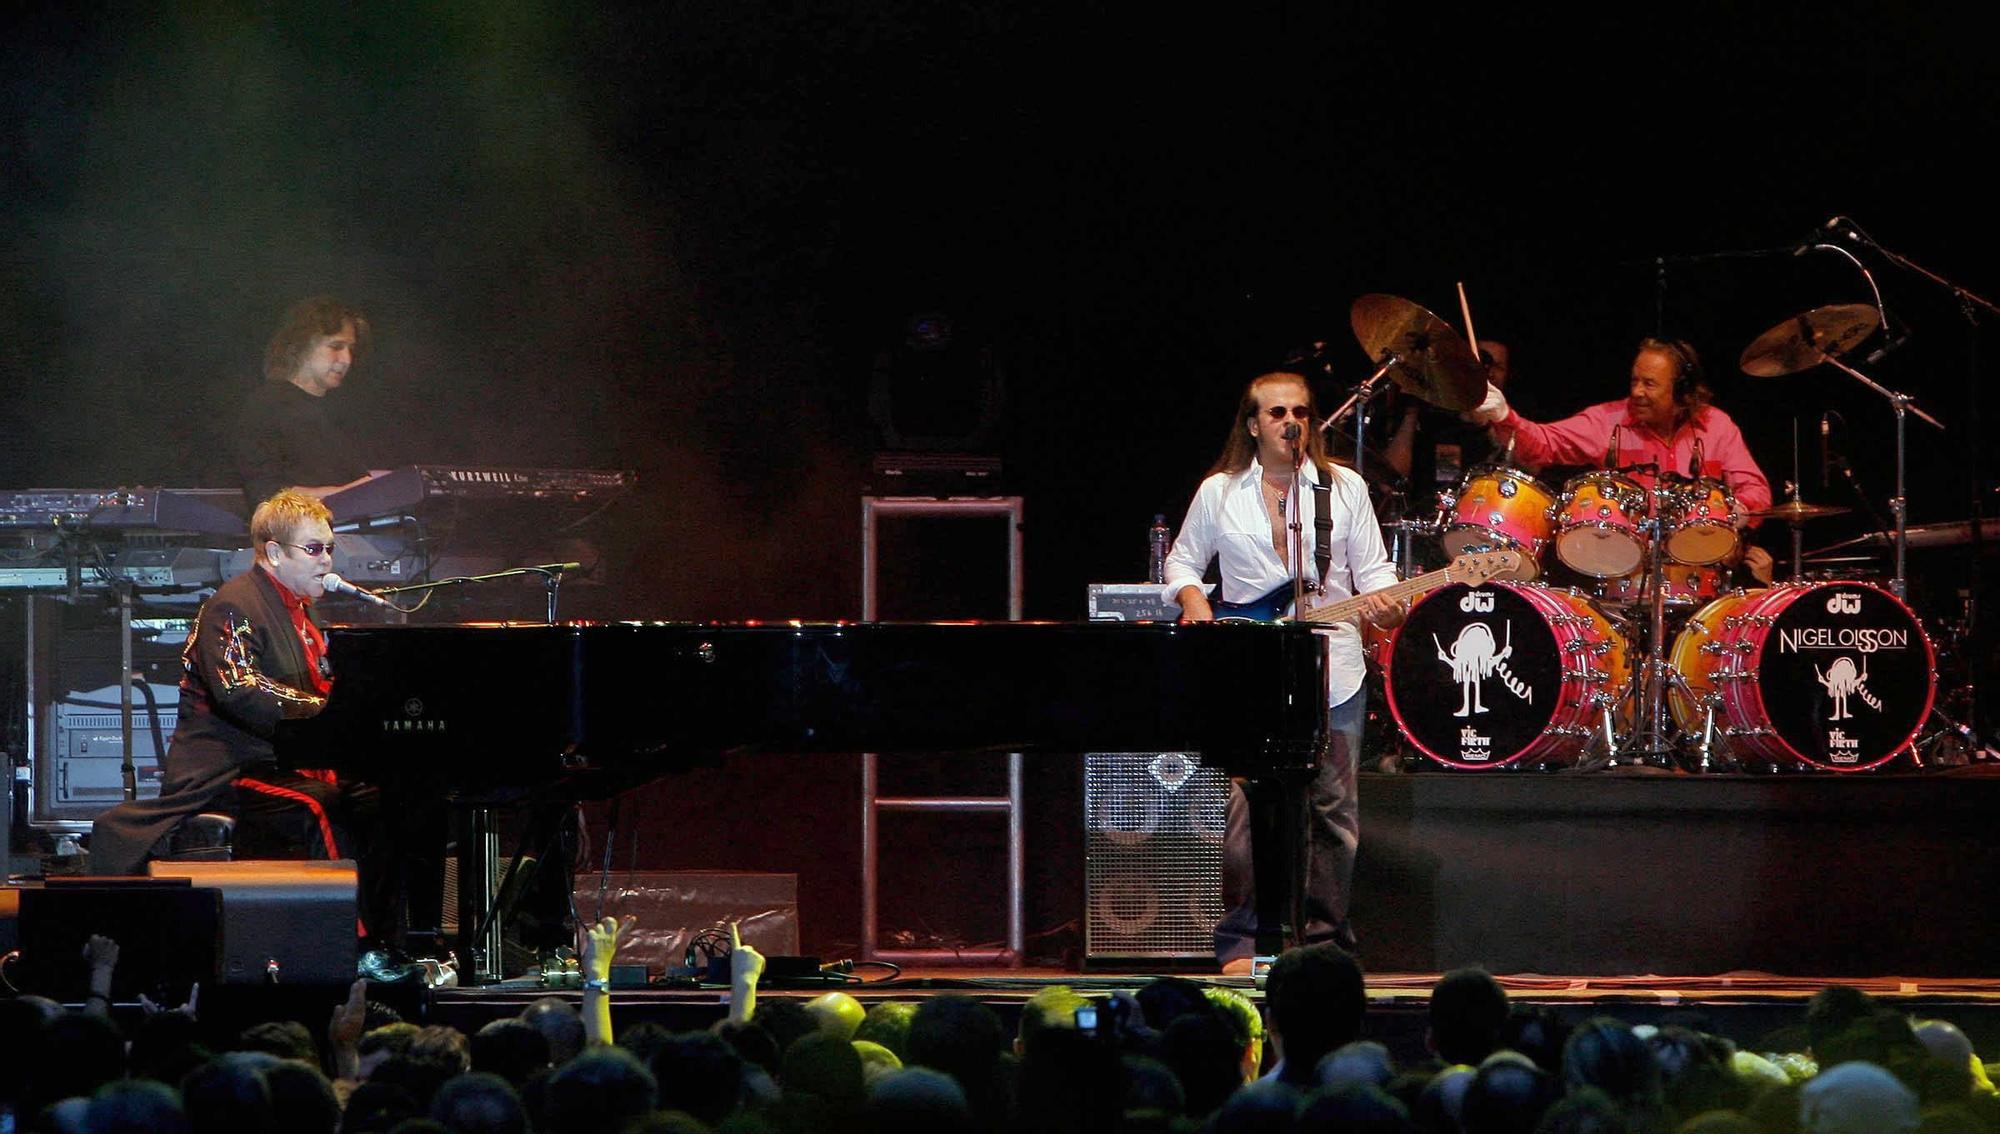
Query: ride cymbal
1433,361
1798,512
1808,339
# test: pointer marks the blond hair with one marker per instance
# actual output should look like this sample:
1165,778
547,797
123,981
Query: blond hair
284,514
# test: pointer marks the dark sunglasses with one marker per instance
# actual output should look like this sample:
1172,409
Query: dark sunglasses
315,548
1303,413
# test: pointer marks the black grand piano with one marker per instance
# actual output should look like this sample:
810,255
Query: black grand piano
584,710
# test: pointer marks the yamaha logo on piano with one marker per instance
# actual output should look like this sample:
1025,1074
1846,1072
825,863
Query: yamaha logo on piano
415,722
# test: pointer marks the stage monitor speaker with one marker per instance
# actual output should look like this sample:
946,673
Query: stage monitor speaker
1153,830
169,937
291,922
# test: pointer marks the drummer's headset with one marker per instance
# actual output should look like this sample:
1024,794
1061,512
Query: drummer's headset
1688,376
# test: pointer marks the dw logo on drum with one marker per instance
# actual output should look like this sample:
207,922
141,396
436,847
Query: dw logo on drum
1843,604
1477,602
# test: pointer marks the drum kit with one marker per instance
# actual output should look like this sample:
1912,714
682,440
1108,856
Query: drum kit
1620,640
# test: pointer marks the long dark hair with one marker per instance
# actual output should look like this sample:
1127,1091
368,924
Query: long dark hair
1239,447
307,320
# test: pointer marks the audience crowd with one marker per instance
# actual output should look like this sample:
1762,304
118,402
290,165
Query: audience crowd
1175,1056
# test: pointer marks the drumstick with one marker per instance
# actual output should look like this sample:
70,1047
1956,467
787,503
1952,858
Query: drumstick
1465,308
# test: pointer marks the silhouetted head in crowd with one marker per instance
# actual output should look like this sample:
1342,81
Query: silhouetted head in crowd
286,1039
750,1041
1856,1098
302,1101
963,1039
1507,1096
1585,1110
643,1039
479,1103
1167,999
1315,1000
599,1090
73,1054
433,1055
824,1066
1943,1040
1206,1053
379,1045
1363,1061
1719,1122
558,1022
1832,1009
1356,1108
1605,1053
1537,1032
228,1094
888,1024
838,1013
1151,1085
510,1048
1441,1102
1069,1081
917,1100
166,1046
1468,1016
787,1021
1882,1037
1695,1070
698,1073
375,1108
1266,1106
135,1106
1049,1009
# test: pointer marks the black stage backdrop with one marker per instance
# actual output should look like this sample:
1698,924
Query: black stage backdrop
672,237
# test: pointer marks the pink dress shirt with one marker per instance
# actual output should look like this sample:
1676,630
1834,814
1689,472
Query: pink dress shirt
1584,439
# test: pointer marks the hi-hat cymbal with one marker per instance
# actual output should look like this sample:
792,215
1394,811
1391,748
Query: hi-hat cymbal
1809,338
1798,511
1433,361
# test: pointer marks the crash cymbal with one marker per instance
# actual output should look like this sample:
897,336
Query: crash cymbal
1433,361
1808,339
1798,512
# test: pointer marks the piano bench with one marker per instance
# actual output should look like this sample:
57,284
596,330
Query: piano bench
207,837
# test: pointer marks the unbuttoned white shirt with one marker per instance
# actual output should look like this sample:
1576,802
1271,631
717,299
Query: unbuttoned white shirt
1227,523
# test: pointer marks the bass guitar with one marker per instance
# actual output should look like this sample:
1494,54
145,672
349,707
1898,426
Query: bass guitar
1472,569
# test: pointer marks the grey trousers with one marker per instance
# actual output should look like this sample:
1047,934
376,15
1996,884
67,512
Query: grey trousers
1333,833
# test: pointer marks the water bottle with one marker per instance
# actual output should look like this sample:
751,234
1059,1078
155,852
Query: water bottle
1159,538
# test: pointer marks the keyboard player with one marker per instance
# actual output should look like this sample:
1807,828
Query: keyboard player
255,658
288,432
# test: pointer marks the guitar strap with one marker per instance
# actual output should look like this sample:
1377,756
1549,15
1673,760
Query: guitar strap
1323,530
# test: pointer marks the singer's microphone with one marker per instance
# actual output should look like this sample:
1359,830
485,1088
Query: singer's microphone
1291,431
1825,448
340,586
1817,236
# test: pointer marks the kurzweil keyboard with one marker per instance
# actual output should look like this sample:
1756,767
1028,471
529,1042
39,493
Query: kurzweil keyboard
420,489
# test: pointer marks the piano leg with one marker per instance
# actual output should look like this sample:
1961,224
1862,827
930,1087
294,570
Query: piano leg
1278,848
480,925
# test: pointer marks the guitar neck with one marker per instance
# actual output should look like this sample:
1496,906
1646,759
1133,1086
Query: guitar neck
1347,610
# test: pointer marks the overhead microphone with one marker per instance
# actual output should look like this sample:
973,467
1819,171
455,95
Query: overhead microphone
1825,449
1818,235
338,585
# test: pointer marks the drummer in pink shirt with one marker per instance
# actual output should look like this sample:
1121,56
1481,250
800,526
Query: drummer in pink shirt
1660,422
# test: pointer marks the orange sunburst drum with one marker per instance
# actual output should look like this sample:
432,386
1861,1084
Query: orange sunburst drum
1501,507
1502,674
1836,676
1598,524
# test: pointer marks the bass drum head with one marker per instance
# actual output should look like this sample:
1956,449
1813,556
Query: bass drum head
1497,685
1845,675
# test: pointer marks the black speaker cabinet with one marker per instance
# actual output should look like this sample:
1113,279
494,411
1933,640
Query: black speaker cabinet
1153,829
292,922
169,936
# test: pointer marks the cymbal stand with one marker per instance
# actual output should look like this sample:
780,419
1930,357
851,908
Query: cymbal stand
1362,395
1798,531
1904,405
1649,741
